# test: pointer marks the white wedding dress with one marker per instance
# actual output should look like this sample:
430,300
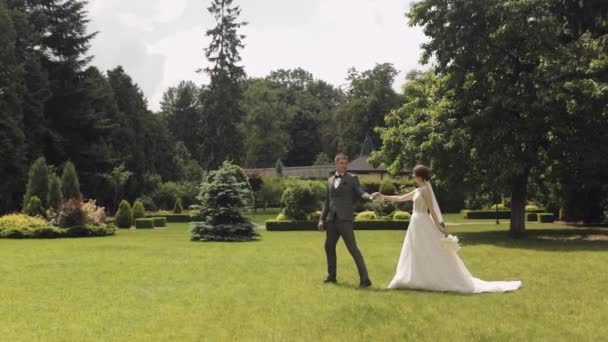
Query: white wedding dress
424,264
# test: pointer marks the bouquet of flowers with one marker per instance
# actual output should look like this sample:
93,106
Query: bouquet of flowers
450,243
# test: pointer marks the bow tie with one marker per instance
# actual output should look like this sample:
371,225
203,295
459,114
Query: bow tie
339,176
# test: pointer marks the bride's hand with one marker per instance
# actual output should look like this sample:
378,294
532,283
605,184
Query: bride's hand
376,196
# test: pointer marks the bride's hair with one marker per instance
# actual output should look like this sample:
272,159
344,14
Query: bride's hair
423,172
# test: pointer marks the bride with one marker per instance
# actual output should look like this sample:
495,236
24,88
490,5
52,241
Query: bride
423,263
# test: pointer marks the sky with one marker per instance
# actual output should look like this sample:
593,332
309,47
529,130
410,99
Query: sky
161,42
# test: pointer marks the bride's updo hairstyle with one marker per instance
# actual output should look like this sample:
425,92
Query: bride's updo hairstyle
423,172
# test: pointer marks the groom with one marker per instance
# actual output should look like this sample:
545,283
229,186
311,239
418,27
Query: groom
343,190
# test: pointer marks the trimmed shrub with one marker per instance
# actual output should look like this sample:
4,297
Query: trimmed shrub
388,188
34,207
300,200
532,207
381,225
70,186
401,215
366,216
94,215
124,215
55,196
546,217
160,222
38,181
282,217
21,221
500,207
531,217
144,223
383,208
177,208
49,232
138,210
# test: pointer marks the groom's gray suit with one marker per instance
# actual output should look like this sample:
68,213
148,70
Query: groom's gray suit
337,218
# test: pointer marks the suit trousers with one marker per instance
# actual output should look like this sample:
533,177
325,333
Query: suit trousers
334,230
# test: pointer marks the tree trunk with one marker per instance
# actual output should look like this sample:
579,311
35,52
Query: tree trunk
519,189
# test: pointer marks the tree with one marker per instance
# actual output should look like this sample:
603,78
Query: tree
223,198
322,159
38,181
12,144
221,106
34,207
186,168
182,109
55,196
178,208
70,186
264,125
278,167
507,66
370,97
117,178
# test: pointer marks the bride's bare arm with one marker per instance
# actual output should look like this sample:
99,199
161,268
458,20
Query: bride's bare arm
402,198
426,196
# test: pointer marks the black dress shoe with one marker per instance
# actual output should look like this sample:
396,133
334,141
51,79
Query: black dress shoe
365,284
330,280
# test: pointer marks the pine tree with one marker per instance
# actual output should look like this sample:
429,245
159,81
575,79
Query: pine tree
221,103
70,186
34,207
55,196
223,199
12,144
38,182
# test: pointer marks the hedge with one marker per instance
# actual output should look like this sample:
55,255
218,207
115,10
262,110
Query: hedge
178,218
486,214
272,225
532,217
546,217
160,222
56,232
144,223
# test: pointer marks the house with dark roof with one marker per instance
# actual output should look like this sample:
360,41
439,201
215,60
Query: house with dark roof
359,166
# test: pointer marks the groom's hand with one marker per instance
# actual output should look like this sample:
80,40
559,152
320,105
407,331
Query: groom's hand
321,226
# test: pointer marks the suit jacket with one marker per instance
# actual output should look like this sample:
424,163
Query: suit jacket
340,202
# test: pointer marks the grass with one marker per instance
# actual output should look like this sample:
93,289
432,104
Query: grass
155,285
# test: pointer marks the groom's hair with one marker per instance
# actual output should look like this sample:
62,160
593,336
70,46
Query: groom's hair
341,156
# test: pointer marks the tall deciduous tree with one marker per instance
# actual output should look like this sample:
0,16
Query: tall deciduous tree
221,107
512,74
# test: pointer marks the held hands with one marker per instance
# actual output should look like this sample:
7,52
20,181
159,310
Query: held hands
321,226
376,196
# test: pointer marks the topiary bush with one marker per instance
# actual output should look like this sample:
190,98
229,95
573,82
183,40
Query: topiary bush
178,208
498,206
401,215
532,207
314,217
124,215
366,216
34,207
300,200
138,210
144,223
70,186
223,196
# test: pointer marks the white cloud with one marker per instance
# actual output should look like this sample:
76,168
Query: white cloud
161,42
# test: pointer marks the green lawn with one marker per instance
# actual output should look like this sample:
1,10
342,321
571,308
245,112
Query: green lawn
155,285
